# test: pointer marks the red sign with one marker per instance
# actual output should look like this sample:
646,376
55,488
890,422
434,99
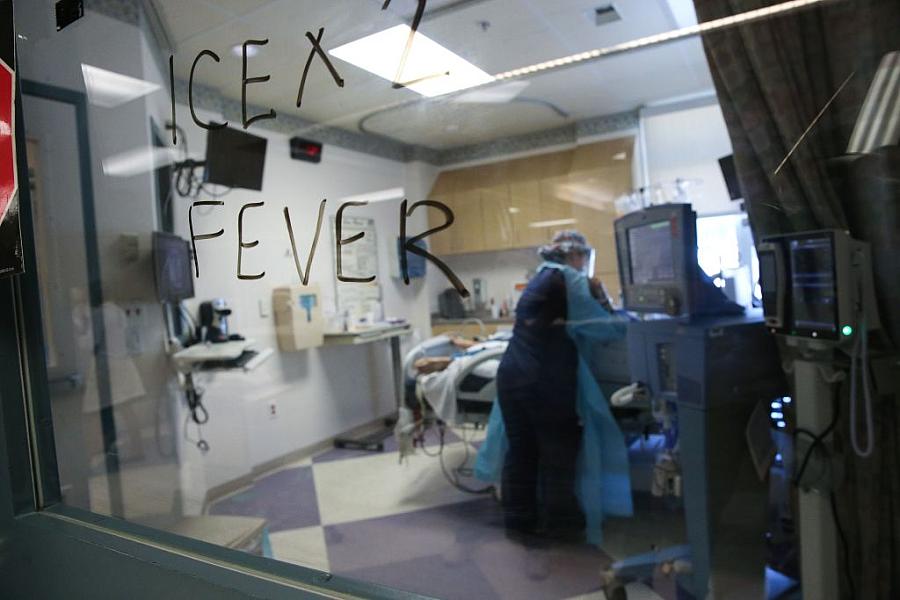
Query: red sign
7,139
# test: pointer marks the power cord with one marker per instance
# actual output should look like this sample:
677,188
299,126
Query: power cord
863,361
200,443
454,481
845,547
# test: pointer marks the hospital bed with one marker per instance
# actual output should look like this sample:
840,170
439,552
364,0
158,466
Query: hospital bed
472,382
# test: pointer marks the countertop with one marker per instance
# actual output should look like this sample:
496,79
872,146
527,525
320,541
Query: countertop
437,320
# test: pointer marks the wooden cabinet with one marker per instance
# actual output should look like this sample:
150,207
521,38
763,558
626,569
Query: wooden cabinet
522,203
497,219
439,243
469,330
525,209
468,232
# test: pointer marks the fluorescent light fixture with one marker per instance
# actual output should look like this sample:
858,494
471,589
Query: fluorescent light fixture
497,94
430,70
619,156
668,36
380,196
109,89
556,223
514,210
139,160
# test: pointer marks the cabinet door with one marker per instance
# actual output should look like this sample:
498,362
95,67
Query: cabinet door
439,243
467,232
525,210
597,227
498,225
557,213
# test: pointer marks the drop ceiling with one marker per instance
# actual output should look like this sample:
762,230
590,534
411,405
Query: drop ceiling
495,35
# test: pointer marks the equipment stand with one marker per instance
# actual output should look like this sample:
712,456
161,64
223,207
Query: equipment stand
374,442
818,535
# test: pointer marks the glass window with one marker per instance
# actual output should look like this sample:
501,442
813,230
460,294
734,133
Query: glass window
338,283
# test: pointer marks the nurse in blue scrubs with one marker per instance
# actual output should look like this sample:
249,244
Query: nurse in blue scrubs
547,398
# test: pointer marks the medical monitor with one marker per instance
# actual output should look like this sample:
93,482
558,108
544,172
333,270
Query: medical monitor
657,252
729,174
172,267
817,284
235,159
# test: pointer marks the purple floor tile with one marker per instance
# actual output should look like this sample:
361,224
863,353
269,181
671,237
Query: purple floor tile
432,440
430,577
286,499
459,551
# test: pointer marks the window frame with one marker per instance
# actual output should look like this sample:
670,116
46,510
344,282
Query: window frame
31,475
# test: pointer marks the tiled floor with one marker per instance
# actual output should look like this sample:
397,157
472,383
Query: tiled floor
367,516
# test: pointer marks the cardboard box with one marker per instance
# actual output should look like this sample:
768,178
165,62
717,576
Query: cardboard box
299,324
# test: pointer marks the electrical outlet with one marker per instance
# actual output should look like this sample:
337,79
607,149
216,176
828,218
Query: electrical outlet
273,410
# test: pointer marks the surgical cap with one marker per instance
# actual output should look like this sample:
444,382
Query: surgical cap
564,244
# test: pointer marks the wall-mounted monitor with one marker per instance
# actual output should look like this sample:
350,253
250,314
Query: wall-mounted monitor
235,159
817,284
729,173
172,267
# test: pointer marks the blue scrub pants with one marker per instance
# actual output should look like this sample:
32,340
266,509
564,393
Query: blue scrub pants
539,471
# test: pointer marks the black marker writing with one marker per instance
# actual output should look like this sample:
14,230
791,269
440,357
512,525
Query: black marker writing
317,49
242,244
200,123
417,20
339,242
245,82
409,245
304,275
202,236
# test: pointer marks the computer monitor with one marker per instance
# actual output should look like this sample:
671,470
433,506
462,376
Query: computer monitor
729,174
235,159
817,284
172,267
657,252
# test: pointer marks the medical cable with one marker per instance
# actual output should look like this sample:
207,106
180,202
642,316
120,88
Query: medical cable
200,443
819,441
862,340
453,480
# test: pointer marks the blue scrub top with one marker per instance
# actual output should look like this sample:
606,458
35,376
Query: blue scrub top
541,355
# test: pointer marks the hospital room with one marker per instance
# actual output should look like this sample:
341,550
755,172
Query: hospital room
552,299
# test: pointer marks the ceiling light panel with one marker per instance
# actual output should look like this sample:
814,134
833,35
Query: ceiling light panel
430,69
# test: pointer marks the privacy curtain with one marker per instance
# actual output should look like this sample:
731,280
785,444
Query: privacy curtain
773,78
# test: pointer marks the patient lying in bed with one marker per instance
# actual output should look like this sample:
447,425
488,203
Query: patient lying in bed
437,374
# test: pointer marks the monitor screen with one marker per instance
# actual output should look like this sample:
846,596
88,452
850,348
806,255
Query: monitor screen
813,286
172,267
650,250
235,159
729,173
768,282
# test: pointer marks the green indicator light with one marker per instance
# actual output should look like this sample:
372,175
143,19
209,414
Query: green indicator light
847,330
